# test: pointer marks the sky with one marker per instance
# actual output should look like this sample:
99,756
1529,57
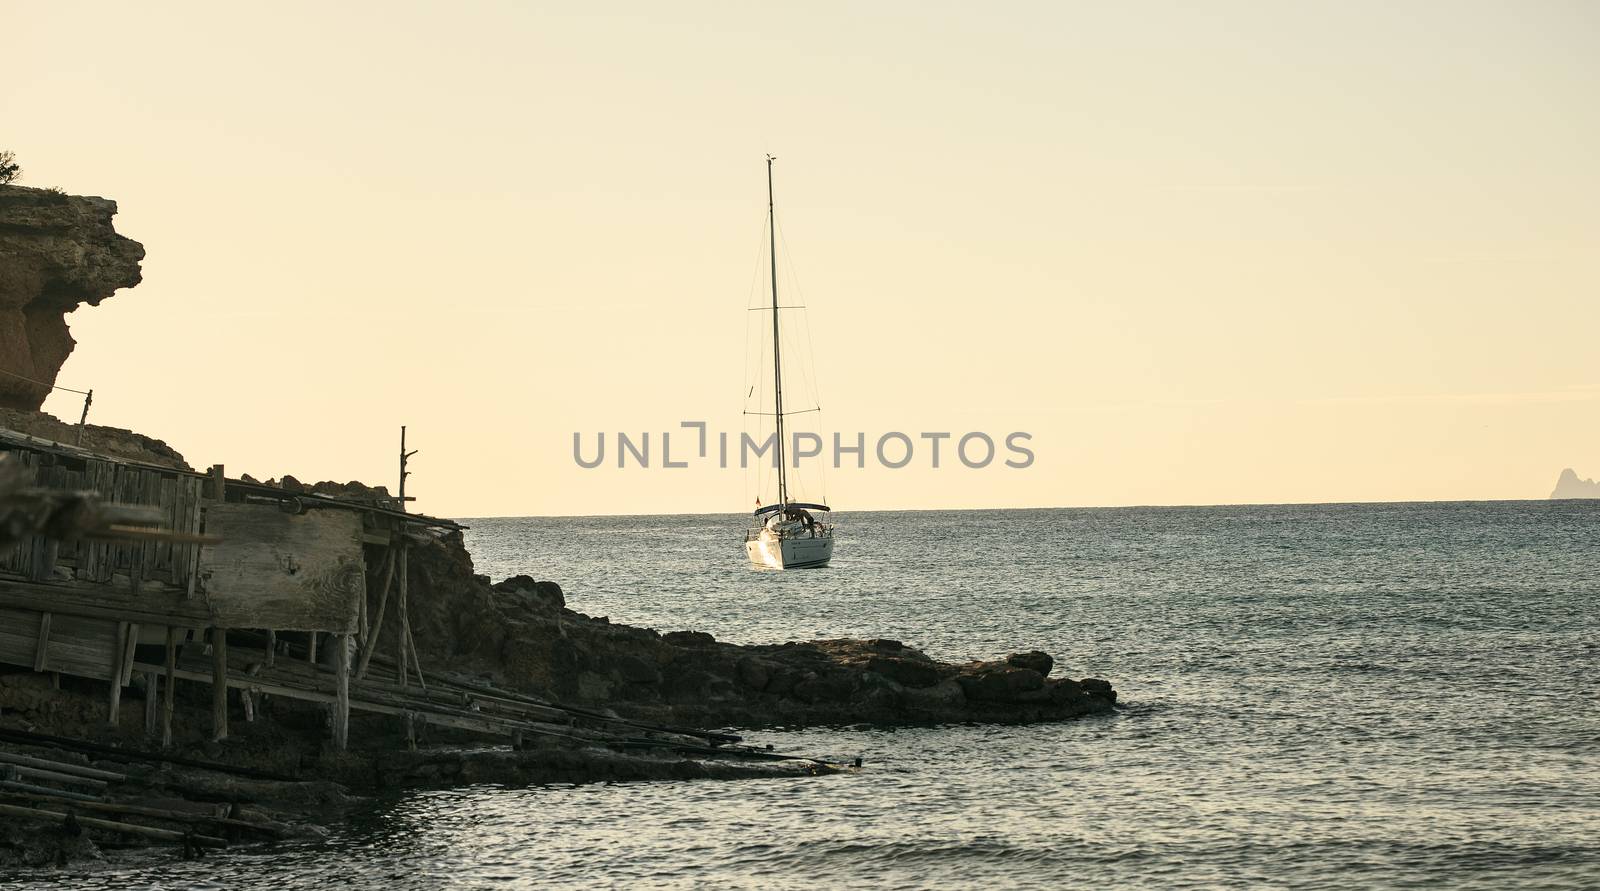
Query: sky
1201,253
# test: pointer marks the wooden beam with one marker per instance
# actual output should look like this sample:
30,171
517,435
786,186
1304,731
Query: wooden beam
88,599
169,690
42,655
77,770
56,776
128,653
40,814
370,645
457,719
76,802
219,684
405,617
114,707
152,686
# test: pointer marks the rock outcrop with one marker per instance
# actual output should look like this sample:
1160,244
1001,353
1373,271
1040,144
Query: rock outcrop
1569,486
521,634
113,441
56,251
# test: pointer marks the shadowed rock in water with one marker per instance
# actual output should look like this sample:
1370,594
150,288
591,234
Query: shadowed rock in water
56,251
1569,486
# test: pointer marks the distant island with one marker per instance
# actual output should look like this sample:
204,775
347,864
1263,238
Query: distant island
1569,486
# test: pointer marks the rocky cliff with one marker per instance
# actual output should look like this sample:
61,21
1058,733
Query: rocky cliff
1569,486
56,251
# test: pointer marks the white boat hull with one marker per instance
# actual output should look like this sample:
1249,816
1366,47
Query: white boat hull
789,553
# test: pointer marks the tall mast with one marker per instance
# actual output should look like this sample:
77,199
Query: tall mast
777,362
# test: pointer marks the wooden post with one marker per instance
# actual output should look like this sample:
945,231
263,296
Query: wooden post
247,695
416,661
219,483
405,617
370,645
41,654
272,648
128,652
151,687
312,650
219,684
83,419
114,708
167,691
409,720
341,708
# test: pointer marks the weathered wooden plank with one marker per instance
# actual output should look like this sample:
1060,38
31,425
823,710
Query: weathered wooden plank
79,770
219,684
129,646
152,605
114,711
151,687
300,572
42,657
405,617
170,835
78,646
169,690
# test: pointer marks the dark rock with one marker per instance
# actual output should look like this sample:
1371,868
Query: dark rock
688,686
637,671
1000,684
907,672
830,687
1035,659
689,638
753,674
1099,687
689,678
782,682
516,583
550,593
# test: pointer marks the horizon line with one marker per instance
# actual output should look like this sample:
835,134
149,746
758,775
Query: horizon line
910,510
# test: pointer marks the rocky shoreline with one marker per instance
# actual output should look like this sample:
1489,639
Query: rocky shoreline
519,634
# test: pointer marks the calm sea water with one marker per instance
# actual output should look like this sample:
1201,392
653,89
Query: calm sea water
1331,696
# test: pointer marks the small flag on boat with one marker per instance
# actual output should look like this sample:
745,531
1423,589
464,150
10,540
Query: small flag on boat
758,501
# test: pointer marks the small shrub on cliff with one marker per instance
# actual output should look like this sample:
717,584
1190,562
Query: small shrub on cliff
10,170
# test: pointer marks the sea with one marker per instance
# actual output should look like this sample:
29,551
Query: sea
1311,696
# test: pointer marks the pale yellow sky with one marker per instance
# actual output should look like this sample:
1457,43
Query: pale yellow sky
1203,252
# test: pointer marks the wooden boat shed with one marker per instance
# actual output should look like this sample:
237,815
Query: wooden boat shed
270,565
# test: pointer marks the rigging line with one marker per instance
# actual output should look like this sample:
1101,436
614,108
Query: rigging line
811,350
800,411
753,376
23,377
755,276
812,374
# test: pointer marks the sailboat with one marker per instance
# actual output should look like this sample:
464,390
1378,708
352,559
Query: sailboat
785,534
